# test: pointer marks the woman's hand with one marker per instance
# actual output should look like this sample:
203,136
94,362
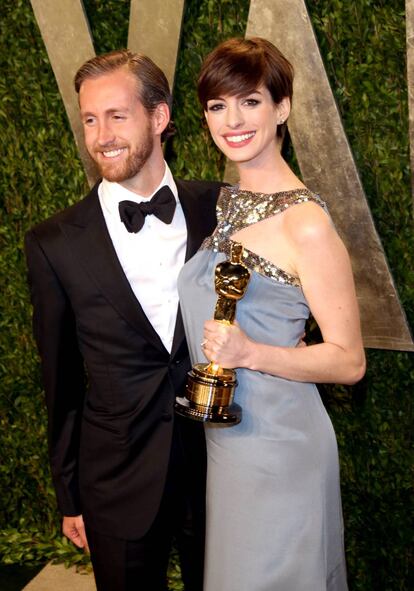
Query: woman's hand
230,347
226,344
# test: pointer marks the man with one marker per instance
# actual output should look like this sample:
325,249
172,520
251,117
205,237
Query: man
128,474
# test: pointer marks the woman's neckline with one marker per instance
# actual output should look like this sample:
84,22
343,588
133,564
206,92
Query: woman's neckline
234,188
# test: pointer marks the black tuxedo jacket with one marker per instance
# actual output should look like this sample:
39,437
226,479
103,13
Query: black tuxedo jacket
110,383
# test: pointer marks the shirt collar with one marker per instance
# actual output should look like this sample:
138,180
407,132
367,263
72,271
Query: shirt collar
112,193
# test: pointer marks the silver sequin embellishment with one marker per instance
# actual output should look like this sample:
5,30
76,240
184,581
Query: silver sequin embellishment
237,209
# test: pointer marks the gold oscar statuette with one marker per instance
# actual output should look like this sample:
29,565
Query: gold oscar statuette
210,388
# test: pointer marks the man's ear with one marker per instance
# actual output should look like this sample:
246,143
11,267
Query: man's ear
160,118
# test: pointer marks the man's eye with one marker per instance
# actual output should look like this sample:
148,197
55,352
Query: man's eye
89,121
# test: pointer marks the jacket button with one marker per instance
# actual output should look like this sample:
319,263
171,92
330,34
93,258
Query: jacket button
166,417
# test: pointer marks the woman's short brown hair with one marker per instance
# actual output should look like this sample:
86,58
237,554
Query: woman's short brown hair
239,66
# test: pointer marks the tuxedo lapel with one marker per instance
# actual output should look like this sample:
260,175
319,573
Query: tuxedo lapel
195,235
192,209
89,240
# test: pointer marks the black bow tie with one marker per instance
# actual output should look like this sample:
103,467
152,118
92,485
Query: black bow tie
162,205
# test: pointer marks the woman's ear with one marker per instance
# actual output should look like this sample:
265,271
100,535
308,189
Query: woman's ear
283,109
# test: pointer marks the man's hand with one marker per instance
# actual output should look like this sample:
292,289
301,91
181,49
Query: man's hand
302,342
74,529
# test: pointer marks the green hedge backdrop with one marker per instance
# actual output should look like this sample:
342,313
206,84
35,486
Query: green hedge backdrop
363,46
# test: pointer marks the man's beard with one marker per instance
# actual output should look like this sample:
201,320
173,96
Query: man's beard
131,166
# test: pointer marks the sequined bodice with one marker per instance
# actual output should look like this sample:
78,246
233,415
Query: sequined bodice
237,209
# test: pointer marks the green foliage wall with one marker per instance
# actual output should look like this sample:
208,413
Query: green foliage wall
363,45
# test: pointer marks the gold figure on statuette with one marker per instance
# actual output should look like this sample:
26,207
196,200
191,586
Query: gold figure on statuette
210,388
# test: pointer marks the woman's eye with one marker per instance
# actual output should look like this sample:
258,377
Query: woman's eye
215,107
251,102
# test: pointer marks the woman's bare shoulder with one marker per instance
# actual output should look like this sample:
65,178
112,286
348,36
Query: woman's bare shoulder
307,222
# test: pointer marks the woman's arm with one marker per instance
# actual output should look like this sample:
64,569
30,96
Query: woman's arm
322,264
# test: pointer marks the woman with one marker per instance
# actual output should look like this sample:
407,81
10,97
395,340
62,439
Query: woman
273,503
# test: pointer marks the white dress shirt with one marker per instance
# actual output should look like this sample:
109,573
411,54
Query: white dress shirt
151,258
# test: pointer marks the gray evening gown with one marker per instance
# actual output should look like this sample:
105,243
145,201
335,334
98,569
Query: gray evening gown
274,520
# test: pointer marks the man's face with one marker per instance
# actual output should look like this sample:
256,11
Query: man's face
118,130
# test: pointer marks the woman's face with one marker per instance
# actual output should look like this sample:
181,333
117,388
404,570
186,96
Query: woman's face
244,127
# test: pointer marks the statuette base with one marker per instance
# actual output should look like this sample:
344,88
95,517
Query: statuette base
209,396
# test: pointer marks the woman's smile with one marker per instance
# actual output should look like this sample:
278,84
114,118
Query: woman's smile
239,139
